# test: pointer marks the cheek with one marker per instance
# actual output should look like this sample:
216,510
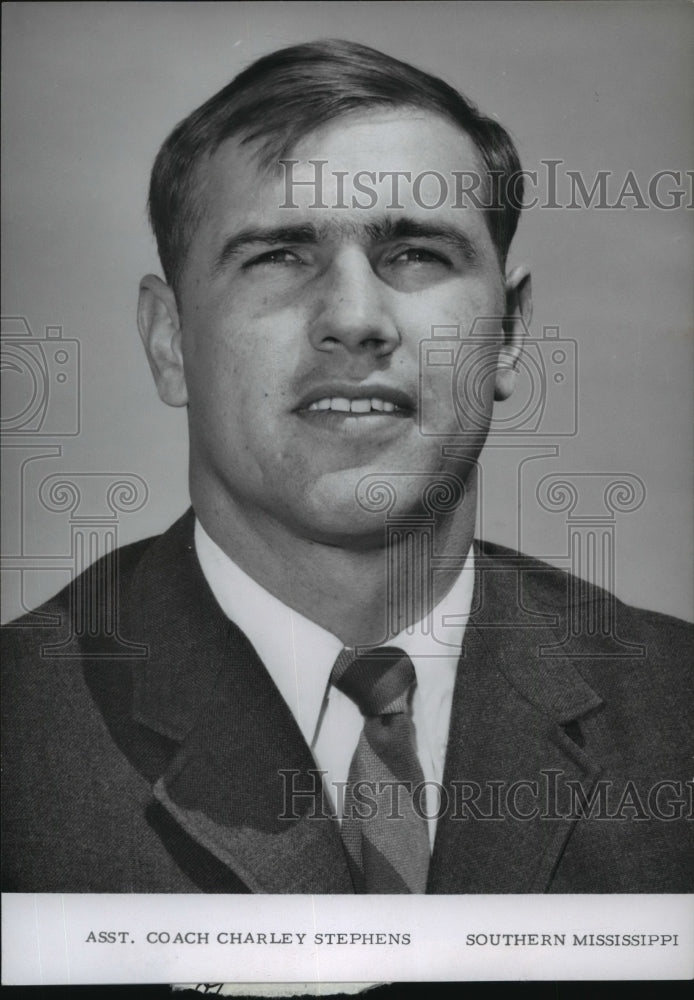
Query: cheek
237,384
457,303
214,351
483,299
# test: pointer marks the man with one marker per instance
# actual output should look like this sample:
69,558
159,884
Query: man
293,700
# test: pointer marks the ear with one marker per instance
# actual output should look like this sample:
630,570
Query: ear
159,325
519,310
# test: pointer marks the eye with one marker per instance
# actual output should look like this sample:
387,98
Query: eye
274,257
419,255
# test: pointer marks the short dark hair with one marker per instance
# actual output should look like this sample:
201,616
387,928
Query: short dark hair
286,95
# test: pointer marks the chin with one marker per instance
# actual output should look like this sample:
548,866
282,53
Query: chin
352,528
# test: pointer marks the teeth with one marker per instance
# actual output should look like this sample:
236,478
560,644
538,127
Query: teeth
341,405
360,406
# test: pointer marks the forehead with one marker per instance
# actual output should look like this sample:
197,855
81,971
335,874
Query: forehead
406,161
390,139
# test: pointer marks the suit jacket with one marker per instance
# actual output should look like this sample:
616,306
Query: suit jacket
148,750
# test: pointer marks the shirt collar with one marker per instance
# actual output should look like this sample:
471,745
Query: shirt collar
299,654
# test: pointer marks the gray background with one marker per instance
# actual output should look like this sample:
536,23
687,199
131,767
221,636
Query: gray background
92,89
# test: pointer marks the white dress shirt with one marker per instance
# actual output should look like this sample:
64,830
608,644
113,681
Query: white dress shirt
299,656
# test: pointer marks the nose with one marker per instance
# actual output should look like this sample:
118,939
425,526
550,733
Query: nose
351,309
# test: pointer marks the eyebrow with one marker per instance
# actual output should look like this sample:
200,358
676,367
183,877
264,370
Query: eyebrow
264,236
388,229
383,230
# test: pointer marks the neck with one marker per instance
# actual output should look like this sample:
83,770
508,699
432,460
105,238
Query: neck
363,595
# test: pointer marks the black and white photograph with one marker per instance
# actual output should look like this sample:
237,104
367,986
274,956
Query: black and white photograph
347,491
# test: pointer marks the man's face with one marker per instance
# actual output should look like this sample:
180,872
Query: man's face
300,326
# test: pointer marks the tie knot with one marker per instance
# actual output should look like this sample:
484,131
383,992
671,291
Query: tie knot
377,681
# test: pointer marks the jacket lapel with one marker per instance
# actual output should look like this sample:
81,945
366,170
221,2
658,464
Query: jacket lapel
509,752
201,718
245,786
236,753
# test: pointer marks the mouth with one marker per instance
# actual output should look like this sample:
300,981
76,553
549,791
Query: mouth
356,407
358,401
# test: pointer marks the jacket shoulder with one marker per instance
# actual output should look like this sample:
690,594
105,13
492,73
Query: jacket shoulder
119,564
547,587
114,571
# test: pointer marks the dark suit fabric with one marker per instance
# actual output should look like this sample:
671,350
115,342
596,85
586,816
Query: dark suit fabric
142,754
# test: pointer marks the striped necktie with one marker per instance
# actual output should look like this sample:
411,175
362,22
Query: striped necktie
383,829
